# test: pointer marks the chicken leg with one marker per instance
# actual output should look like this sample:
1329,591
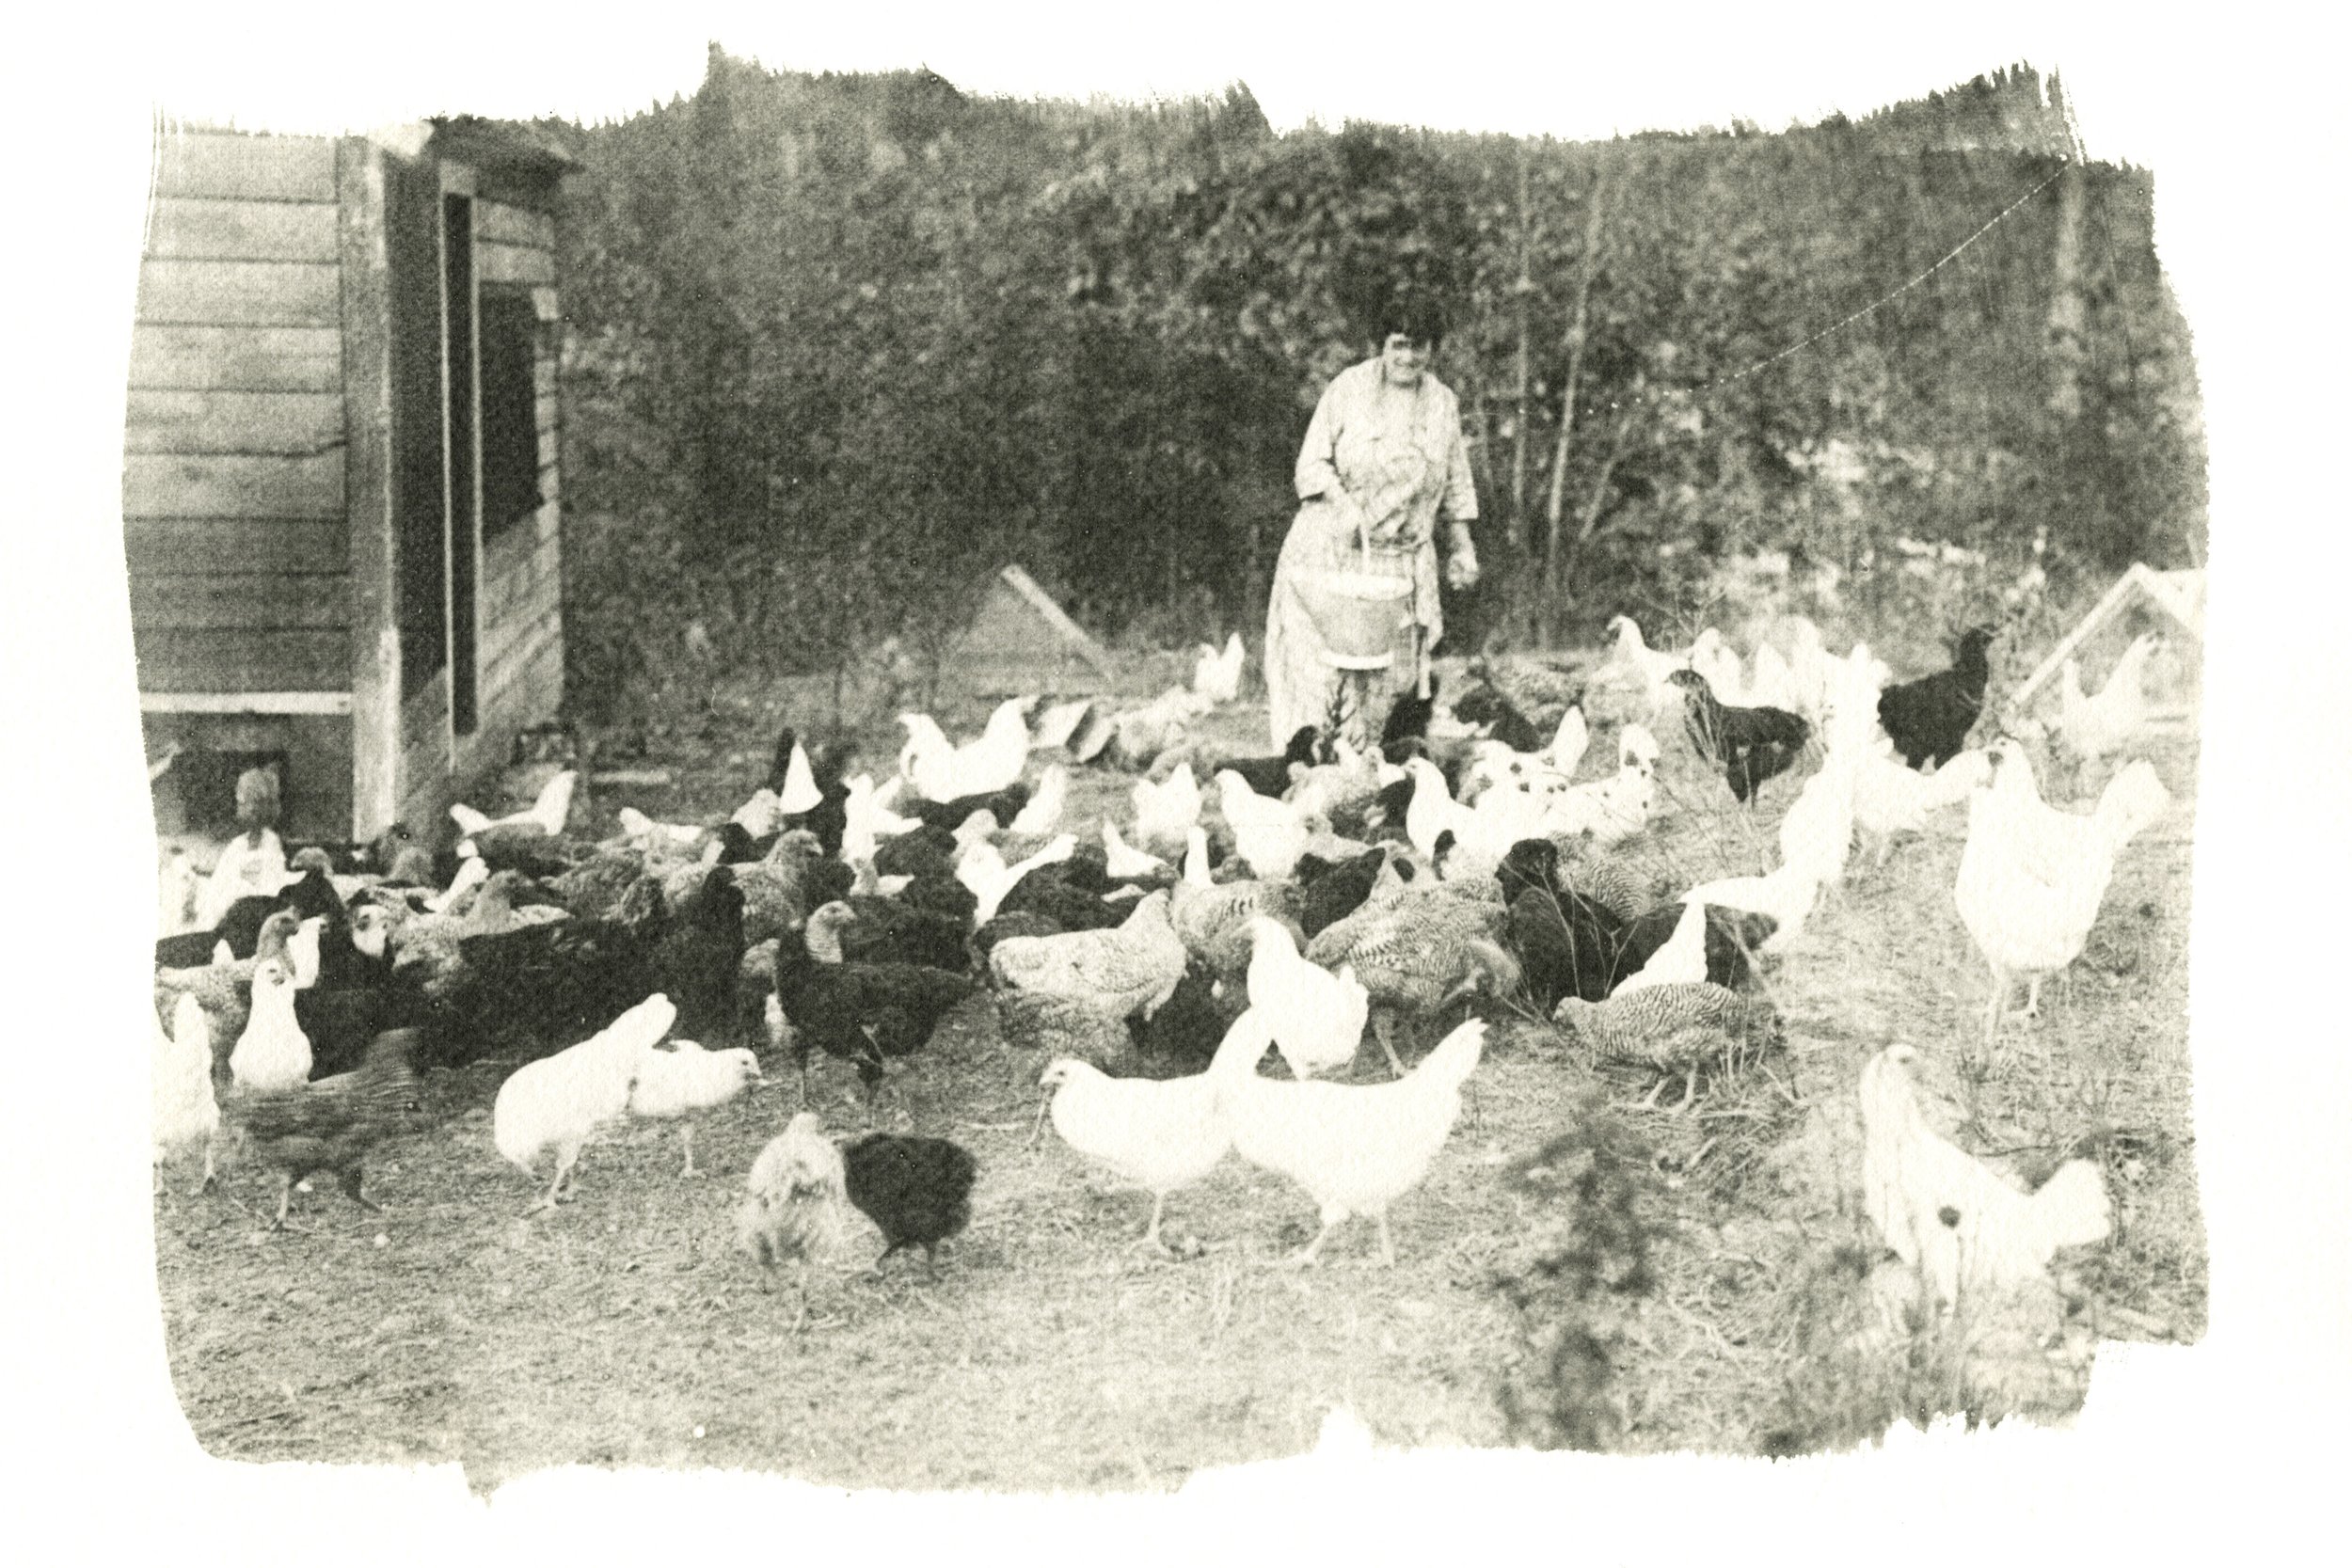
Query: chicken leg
1384,1026
686,1136
1306,1257
351,1191
1151,1232
1994,1003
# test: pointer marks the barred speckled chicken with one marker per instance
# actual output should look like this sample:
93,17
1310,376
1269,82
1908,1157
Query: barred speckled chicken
1039,1023
1416,951
1134,966
779,891
1212,918
1673,1028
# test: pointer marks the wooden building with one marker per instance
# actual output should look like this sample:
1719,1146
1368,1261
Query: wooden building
341,478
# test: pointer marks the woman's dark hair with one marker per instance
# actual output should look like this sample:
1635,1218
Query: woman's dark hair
1417,315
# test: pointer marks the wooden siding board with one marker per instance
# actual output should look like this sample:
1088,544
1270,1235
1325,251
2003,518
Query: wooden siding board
281,168
222,422
178,485
512,264
236,359
250,601
367,409
203,228
239,293
176,658
503,223
161,546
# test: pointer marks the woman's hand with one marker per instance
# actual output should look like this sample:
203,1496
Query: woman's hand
1461,565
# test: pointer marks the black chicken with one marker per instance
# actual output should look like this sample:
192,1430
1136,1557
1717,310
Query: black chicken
699,954
919,851
1929,718
1407,720
1271,776
1046,891
1182,1037
1750,744
1484,703
864,1014
1004,804
542,987
887,931
916,1191
1571,945
1330,893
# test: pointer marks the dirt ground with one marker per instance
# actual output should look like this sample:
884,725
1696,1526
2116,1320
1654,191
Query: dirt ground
1050,1352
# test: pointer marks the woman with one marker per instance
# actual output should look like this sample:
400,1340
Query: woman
1383,461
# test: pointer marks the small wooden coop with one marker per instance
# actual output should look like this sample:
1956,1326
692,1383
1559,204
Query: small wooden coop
341,473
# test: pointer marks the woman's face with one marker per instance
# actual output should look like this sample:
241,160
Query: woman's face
1403,359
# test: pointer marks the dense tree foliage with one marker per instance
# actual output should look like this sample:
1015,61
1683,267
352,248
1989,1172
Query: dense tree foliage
840,345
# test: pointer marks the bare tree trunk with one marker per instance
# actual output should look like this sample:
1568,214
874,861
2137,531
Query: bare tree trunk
1554,500
1524,289
2068,344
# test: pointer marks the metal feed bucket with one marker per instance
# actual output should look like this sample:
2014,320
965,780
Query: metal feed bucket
1360,614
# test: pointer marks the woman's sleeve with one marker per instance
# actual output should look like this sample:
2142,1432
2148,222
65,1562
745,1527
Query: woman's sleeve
1318,455
1459,503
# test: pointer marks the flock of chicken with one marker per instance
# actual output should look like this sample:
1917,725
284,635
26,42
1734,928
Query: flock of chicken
1145,970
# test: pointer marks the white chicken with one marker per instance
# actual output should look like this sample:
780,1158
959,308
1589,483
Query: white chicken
273,1054
1611,810
560,1101
1269,834
1715,659
1772,681
1164,812
250,865
762,815
643,832
1637,747
2100,726
1217,675
1317,1017
1651,665
1809,666
798,1206
2032,878
471,873
1891,798
1818,829
1355,1148
1057,725
1568,743
1042,815
549,812
1946,1213
1121,862
1162,1136
1682,960
185,1111
679,1083
941,771
1787,894
981,868
800,792
867,820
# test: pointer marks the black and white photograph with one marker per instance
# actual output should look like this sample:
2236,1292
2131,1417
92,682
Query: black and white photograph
878,760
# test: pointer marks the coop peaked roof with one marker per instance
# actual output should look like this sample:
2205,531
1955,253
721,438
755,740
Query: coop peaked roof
2179,595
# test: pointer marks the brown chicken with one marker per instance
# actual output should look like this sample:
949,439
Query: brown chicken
330,1124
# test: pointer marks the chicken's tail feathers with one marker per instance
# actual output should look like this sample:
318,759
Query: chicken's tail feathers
2073,1205
467,819
1457,1055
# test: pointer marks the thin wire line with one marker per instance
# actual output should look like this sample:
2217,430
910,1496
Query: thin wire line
1841,324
